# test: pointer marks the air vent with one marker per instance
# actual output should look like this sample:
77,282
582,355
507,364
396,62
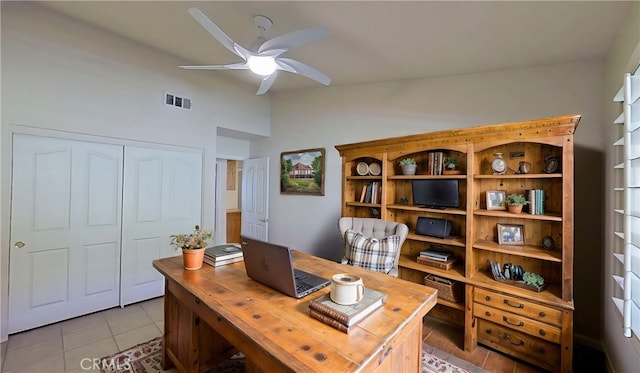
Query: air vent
173,100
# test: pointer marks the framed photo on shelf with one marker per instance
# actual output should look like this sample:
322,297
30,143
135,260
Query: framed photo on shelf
302,172
510,234
495,199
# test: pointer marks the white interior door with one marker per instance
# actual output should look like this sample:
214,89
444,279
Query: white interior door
162,196
65,229
220,233
255,198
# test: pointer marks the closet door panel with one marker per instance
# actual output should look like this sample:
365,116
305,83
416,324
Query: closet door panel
162,196
65,220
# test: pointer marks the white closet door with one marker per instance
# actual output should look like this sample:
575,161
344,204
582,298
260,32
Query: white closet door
162,196
65,229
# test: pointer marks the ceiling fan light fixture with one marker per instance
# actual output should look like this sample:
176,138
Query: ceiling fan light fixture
264,56
262,65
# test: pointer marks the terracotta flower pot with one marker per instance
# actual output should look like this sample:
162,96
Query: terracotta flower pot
515,209
193,258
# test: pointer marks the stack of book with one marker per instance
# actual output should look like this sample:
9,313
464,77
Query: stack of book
371,193
437,257
435,163
222,254
344,317
536,201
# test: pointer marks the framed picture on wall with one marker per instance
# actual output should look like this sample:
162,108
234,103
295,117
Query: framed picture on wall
302,172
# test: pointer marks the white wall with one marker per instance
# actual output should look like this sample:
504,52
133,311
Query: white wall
325,117
623,57
59,74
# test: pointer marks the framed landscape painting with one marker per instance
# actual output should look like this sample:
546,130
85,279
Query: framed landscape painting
302,172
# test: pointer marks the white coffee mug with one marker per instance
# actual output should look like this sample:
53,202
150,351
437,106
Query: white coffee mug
346,289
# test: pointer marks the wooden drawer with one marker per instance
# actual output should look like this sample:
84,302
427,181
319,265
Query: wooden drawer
519,306
517,322
520,345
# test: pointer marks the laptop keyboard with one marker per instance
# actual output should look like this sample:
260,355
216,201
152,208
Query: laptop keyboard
300,287
300,276
300,284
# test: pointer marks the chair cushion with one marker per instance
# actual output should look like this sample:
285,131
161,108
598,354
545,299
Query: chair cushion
371,253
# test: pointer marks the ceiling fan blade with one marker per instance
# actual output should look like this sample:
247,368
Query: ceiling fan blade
217,33
294,38
305,70
231,66
272,52
266,83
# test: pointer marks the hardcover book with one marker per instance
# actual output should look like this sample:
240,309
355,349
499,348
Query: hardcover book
348,315
222,252
437,255
437,263
217,263
328,320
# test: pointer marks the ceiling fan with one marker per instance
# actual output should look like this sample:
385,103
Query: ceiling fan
263,57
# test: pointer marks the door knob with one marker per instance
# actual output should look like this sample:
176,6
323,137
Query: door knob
263,220
19,244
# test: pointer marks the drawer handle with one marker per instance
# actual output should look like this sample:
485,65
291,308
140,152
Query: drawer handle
541,350
515,344
487,313
504,318
487,298
514,305
542,314
388,351
543,332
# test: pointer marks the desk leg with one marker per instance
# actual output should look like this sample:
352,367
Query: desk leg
190,344
169,319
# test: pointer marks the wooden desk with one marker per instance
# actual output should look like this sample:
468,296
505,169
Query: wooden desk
213,312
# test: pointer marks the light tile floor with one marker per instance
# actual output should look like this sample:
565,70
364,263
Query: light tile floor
73,345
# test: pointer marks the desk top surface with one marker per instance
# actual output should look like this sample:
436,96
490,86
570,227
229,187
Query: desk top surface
281,325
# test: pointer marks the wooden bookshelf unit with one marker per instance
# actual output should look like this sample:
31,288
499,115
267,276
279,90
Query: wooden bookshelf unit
535,326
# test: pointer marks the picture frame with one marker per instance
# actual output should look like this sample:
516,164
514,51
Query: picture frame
510,234
302,172
495,199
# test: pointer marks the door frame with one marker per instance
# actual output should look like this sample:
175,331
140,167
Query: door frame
208,188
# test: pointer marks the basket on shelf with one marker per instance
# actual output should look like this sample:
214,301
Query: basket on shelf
447,289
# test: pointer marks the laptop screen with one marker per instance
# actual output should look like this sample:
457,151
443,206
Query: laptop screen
271,265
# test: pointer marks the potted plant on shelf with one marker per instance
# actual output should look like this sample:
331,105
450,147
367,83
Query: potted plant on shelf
450,166
193,246
408,166
515,202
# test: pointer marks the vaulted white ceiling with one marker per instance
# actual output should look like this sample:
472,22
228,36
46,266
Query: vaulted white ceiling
373,41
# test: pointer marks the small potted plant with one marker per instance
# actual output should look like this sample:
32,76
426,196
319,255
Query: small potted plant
450,166
193,246
533,280
515,202
408,166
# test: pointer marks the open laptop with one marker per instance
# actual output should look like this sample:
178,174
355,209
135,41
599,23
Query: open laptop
270,264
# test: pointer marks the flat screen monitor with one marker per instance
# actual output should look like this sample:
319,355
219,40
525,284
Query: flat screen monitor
435,193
